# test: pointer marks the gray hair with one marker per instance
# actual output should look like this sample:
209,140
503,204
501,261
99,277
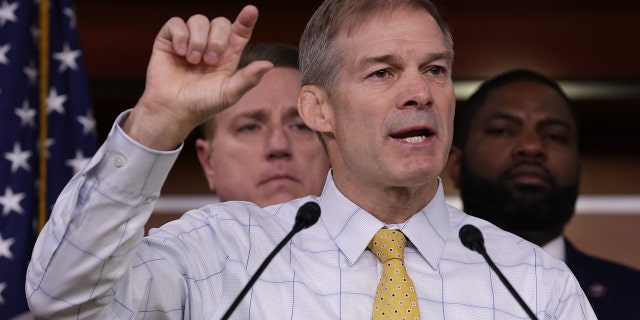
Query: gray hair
321,60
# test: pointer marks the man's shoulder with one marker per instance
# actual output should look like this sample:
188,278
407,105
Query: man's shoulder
229,219
510,249
612,287
582,262
243,210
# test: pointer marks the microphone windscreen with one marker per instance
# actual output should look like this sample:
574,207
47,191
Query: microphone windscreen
471,237
308,214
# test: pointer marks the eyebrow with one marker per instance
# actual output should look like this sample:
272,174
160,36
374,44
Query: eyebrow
393,59
292,112
255,114
543,123
387,59
262,115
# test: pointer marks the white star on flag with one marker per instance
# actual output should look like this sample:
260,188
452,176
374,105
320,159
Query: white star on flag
32,73
88,123
18,158
3,53
8,12
3,285
47,143
72,16
27,115
55,102
5,244
35,33
11,201
78,162
67,58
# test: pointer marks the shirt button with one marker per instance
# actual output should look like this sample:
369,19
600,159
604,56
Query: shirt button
119,161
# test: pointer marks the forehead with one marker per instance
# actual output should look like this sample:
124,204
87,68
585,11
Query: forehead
526,99
275,95
384,30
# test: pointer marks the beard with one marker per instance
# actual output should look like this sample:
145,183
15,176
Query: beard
534,213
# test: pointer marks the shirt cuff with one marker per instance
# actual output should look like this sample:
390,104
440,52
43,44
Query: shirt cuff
130,168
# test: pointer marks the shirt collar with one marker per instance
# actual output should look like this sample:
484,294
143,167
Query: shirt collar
352,227
556,248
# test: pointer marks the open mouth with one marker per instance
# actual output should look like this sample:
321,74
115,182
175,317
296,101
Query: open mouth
413,136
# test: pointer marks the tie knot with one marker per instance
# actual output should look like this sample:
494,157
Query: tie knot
388,244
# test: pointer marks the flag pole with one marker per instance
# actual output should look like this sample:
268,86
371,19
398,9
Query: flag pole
44,85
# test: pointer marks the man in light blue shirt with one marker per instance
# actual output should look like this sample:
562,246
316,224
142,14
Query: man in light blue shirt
377,87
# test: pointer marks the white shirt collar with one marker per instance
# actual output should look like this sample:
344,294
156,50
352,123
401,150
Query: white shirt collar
352,227
556,248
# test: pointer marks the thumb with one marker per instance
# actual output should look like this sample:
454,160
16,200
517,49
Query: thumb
246,78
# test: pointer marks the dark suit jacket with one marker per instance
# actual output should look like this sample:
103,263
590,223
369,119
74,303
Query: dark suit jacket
613,289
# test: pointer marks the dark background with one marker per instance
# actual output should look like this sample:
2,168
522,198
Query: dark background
583,42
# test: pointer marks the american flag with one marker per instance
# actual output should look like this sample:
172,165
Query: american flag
71,137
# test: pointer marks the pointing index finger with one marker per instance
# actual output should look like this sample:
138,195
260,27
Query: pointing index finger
242,27
225,48
246,20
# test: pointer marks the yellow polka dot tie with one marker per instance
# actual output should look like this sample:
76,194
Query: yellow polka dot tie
395,296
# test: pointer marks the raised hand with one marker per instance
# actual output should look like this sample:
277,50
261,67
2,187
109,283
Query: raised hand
192,75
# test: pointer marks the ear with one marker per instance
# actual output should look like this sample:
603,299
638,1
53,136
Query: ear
453,165
314,109
205,151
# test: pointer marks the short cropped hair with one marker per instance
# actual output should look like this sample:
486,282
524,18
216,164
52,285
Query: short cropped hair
280,54
321,60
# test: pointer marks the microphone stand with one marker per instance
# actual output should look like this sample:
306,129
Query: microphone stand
307,215
472,238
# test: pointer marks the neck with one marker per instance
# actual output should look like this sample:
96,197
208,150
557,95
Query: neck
389,204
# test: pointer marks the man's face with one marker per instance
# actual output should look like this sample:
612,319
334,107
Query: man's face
262,151
519,168
392,111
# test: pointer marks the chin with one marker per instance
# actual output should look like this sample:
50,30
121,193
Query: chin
280,197
420,173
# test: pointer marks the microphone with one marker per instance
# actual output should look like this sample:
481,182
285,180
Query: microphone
308,214
471,237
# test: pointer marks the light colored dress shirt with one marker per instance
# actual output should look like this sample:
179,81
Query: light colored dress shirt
92,262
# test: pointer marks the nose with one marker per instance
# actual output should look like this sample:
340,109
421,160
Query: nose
278,144
530,146
417,93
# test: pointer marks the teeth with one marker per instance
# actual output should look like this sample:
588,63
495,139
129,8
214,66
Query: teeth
415,139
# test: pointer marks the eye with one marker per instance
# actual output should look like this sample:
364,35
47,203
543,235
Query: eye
301,126
558,137
382,73
498,132
436,70
248,127
296,125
